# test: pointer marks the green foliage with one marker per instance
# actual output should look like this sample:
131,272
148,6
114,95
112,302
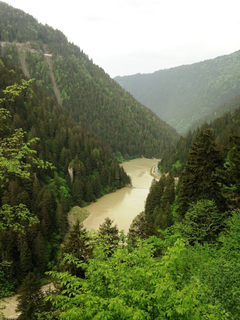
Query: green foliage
20,215
218,268
16,156
230,237
134,285
202,222
30,298
12,92
6,287
158,204
76,247
139,228
58,187
110,233
17,218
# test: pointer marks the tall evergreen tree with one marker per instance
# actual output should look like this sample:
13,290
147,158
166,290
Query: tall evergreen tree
30,298
200,179
25,257
110,232
76,246
231,174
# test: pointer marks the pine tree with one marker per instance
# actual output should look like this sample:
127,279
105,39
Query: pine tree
140,228
163,216
25,257
200,179
231,174
110,234
77,246
61,220
77,192
40,253
30,298
97,186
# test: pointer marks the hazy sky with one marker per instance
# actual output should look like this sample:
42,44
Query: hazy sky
142,36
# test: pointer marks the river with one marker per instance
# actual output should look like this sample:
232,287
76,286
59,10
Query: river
11,304
124,204
121,206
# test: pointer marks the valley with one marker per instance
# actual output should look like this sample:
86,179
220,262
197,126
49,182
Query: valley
74,142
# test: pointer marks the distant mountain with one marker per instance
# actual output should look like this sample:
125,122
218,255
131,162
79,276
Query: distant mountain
90,95
185,94
229,106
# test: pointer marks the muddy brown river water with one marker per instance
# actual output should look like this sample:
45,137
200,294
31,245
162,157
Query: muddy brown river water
124,204
121,206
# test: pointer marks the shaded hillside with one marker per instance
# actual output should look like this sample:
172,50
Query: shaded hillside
228,124
229,106
83,170
91,96
184,94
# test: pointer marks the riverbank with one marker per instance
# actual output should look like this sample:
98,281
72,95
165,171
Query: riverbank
125,204
10,304
155,173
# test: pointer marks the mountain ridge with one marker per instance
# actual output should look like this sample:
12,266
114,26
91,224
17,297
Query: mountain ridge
181,95
91,96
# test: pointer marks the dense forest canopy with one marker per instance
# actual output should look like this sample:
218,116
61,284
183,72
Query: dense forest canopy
73,168
186,95
91,96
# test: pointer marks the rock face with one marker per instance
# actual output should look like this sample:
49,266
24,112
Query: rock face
70,171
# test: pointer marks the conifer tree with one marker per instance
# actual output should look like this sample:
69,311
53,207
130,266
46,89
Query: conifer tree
77,192
30,298
61,220
110,232
231,174
139,228
77,247
200,179
25,257
40,253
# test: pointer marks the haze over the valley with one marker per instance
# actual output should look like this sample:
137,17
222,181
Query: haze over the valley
137,36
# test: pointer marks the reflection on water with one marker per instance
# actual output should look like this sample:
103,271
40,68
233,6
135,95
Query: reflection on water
123,205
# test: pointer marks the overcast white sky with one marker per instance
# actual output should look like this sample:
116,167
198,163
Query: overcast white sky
142,36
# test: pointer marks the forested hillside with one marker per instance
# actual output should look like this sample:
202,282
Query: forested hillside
90,95
48,163
175,158
186,94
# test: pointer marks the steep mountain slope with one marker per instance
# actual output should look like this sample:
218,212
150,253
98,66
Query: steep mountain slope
83,170
91,96
227,107
182,95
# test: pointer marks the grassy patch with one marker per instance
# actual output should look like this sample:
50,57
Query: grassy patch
75,214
